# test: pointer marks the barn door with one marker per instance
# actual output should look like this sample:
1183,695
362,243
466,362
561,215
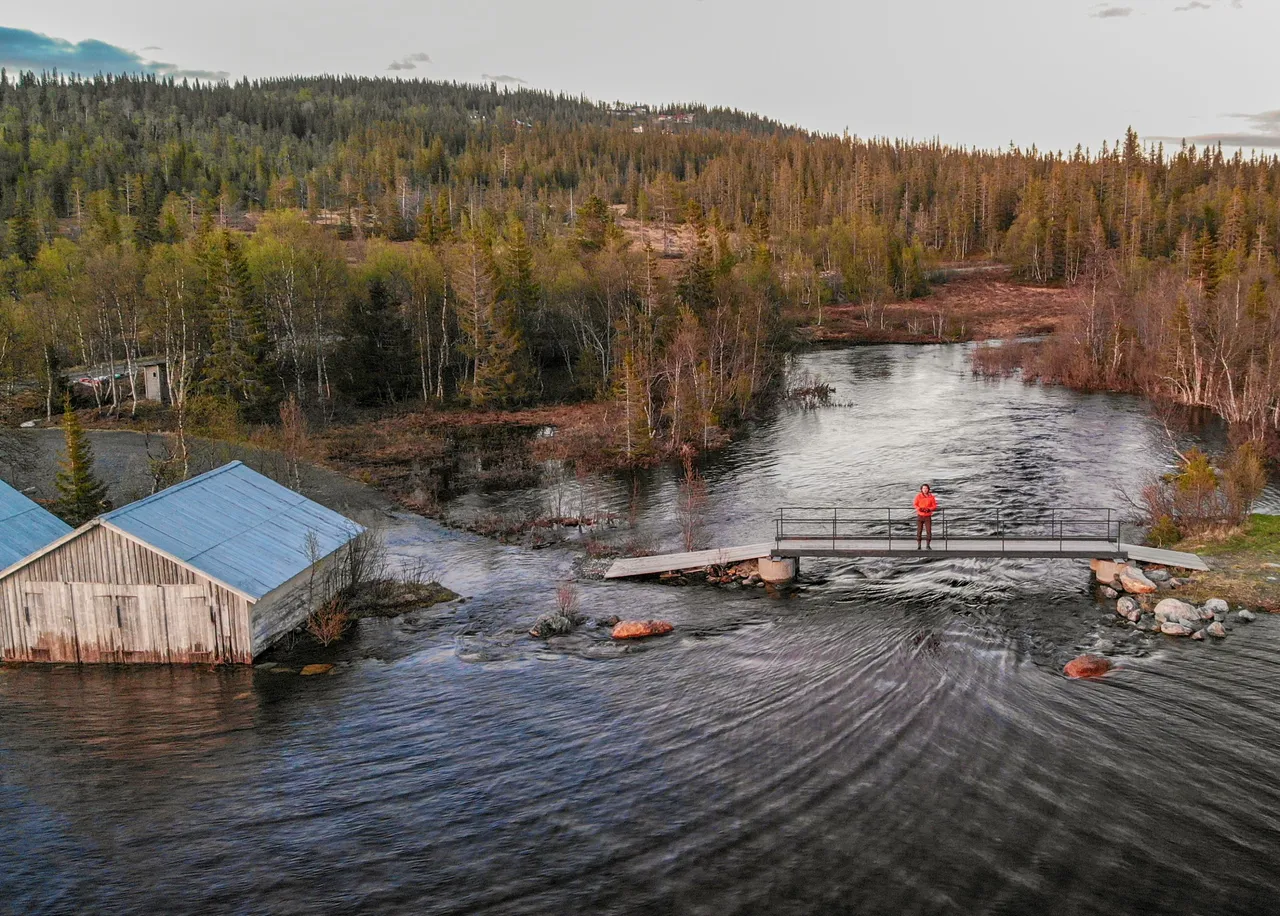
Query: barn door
109,622
130,627
46,625
190,617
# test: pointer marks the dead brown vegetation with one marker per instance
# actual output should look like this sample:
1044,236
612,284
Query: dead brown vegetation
982,305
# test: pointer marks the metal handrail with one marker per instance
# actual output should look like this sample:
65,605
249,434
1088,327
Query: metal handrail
1007,524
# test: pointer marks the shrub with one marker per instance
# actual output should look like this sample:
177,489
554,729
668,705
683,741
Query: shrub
1244,479
1164,533
567,600
329,621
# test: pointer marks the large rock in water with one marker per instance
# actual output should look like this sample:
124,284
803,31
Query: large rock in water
1106,571
638,629
1129,609
1216,630
1135,583
1087,666
549,625
1171,610
1172,628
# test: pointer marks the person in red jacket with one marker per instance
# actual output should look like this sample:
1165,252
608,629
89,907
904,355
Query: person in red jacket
926,504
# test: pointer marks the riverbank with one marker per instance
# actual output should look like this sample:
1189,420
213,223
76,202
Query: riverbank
1246,566
969,303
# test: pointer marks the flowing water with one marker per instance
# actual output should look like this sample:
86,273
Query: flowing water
895,738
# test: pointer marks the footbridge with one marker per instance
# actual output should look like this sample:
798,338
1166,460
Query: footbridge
854,533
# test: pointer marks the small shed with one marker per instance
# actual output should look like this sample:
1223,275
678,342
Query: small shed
24,526
215,569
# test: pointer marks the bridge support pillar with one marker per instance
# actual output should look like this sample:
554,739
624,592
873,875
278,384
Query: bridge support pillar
778,570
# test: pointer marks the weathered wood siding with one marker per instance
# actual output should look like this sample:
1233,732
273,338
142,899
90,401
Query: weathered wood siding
102,597
287,606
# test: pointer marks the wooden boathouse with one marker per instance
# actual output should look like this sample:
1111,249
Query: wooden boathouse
212,570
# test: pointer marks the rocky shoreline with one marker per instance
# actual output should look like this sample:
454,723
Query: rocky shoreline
1136,592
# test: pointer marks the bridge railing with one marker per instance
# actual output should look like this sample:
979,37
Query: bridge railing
959,524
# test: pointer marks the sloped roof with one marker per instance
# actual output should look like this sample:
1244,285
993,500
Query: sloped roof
237,527
24,526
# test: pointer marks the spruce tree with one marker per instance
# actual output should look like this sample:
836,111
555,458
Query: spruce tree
376,357
23,235
237,368
81,495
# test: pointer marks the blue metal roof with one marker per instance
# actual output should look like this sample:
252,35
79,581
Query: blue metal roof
236,526
24,526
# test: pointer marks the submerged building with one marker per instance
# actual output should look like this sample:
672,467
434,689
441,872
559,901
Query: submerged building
214,570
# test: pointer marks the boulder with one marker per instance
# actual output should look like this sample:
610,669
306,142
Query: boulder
1216,630
1106,571
1135,583
611,621
1129,609
312,670
1169,628
1109,593
638,629
1087,666
1172,610
1158,575
549,625
1246,616
1216,606
1198,635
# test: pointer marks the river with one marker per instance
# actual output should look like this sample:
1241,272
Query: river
895,738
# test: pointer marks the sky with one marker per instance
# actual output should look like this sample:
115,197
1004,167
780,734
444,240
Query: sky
984,73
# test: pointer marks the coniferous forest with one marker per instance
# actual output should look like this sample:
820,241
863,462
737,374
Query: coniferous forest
354,244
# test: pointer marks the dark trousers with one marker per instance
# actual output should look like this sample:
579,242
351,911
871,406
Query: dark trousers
924,525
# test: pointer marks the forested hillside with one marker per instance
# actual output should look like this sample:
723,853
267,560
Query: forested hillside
361,242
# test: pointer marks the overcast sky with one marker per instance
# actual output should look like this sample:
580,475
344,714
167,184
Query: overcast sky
973,72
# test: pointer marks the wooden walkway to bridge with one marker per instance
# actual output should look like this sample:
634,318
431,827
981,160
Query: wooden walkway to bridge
1070,534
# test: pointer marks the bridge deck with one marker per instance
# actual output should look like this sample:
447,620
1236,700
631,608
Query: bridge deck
855,548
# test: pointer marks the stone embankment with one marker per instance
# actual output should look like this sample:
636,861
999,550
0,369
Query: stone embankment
1137,595
747,574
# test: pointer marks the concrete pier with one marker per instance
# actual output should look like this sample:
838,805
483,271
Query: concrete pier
778,570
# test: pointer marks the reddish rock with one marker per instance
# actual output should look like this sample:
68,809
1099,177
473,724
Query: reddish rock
1087,666
1135,583
638,629
312,670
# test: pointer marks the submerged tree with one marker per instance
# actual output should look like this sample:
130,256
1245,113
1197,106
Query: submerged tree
81,495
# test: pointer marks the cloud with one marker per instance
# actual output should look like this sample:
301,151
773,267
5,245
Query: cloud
21,49
1206,5
1112,12
410,62
1263,132
501,78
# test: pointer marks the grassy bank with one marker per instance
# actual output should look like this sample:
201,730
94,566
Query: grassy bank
1246,565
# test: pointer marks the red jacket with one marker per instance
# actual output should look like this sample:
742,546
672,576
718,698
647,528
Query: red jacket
926,504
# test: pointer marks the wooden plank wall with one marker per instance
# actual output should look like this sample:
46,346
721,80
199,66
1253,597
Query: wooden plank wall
286,607
104,598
